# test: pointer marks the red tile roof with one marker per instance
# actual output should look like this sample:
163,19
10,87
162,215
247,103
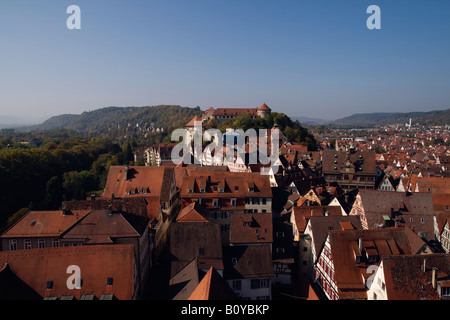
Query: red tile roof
139,181
350,276
45,223
251,228
97,263
212,287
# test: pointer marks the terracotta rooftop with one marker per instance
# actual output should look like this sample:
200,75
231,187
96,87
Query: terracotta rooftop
189,240
103,226
45,270
212,287
138,181
351,274
45,223
247,261
406,280
193,213
251,228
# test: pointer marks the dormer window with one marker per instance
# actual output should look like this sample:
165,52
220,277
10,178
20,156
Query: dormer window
221,190
190,190
202,190
251,189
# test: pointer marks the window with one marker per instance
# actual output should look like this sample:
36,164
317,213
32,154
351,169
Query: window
221,190
12,244
190,190
264,200
445,291
259,283
215,202
41,243
27,244
109,281
236,285
201,251
55,243
422,220
236,188
233,202
49,285
202,190
411,220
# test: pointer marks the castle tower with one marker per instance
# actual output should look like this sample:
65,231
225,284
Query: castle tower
263,111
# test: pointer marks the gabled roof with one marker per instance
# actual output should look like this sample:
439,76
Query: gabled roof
321,225
212,287
302,214
45,223
13,288
350,276
378,203
406,280
189,240
362,161
193,213
103,226
251,228
139,181
194,120
235,185
38,268
185,281
247,261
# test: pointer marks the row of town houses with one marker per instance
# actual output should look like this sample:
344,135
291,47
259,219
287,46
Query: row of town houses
323,227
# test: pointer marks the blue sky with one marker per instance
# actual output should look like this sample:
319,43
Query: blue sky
312,58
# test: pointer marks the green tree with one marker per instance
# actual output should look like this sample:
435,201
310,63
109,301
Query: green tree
77,184
53,193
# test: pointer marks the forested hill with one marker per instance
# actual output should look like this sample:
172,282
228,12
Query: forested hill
438,117
120,120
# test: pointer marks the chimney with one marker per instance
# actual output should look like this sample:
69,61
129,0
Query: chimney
433,277
109,210
126,172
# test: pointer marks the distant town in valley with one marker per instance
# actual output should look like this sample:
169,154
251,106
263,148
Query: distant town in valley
94,207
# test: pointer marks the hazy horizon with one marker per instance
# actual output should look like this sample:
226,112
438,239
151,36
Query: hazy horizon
314,59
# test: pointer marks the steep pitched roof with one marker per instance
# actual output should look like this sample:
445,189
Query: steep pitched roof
406,279
103,226
251,228
97,263
363,161
13,288
138,181
193,213
45,223
264,107
194,120
212,287
189,240
321,225
185,281
350,274
247,261
302,214
378,203
234,184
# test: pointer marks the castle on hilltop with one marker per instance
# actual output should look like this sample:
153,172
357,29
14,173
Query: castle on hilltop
220,115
